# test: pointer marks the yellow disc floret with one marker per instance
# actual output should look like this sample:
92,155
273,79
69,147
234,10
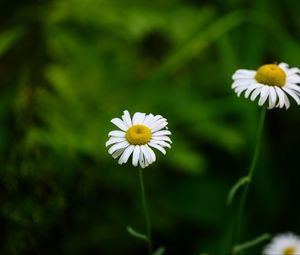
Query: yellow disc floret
271,75
138,135
289,250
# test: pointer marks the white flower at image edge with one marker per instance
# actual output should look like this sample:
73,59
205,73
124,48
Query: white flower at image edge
272,83
283,244
136,137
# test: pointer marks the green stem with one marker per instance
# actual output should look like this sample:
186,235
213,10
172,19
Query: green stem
242,203
146,212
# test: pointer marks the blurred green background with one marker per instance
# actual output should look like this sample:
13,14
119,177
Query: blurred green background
67,67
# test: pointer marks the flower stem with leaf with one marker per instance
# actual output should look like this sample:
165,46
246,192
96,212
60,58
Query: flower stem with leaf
246,181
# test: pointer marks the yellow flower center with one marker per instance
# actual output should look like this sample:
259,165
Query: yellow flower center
289,250
138,135
271,75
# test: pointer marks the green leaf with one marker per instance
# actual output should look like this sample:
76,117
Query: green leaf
241,182
8,38
241,247
203,39
136,234
160,251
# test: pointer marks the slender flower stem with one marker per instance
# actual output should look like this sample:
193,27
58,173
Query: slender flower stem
241,206
146,212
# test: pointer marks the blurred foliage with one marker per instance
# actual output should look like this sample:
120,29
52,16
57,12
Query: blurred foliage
67,67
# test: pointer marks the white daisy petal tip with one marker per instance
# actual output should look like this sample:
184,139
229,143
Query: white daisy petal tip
286,243
116,133
273,85
136,138
120,124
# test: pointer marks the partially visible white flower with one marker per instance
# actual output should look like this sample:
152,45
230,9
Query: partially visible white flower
272,81
136,136
283,244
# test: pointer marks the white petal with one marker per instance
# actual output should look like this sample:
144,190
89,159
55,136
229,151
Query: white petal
264,91
136,155
243,74
135,117
270,103
240,86
151,153
126,154
280,96
295,78
158,147
283,65
239,90
161,143
251,88
262,100
117,153
140,118
157,117
154,120
255,93
119,123
147,154
113,140
293,70
292,94
147,163
293,86
286,101
272,98
162,138
126,118
148,119
245,71
238,83
118,146
117,133
142,160
263,95
158,125
162,132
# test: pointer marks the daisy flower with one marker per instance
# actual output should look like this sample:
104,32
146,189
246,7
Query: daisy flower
136,136
283,244
272,81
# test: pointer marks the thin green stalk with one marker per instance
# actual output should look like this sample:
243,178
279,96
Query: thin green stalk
146,212
242,202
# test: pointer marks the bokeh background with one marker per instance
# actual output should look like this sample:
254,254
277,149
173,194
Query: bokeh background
69,66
